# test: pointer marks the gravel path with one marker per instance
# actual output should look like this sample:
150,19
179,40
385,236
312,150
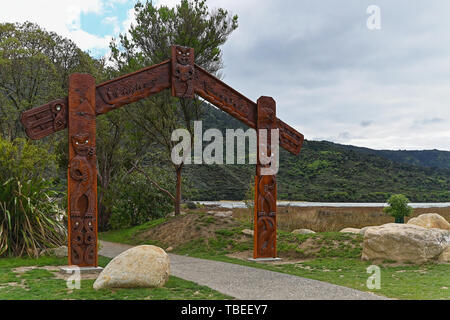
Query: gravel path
248,283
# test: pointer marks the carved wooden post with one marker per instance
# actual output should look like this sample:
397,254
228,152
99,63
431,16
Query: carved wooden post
82,172
265,221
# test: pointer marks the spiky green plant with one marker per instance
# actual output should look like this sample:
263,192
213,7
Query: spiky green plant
30,218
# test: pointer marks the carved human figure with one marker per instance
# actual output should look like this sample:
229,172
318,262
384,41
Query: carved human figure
184,72
82,202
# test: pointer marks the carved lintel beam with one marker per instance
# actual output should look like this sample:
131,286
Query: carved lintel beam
182,72
265,220
82,171
132,87
240,107
42,121
224,97
184,79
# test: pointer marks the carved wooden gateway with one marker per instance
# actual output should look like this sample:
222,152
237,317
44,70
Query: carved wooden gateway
85,101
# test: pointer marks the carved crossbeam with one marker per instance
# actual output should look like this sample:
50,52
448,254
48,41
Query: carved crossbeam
240,107
42,121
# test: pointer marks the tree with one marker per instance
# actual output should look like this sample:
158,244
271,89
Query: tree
119,147
398,207
34,69
189,24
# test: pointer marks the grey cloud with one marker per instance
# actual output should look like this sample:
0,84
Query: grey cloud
428,121
366,123
327,71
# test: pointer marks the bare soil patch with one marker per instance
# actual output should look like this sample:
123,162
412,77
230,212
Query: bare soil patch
184,228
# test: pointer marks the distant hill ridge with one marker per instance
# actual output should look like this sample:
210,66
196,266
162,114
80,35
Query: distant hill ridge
326,171
424,158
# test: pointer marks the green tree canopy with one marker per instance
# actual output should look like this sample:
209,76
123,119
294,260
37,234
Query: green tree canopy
189,24
34,68
398,207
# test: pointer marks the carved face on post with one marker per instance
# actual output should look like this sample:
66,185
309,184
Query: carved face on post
183,55
81,145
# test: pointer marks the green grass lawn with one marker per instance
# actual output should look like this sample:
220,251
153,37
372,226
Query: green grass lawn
127,235
40,284
336,260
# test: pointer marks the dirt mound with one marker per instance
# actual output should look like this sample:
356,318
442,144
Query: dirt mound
181,229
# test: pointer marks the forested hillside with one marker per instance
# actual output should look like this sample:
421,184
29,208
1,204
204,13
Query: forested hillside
323,171
424,158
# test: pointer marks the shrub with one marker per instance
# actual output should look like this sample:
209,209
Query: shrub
135,201
191,205
30,218
398,207
24,160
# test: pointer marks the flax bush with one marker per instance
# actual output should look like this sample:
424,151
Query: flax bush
30,218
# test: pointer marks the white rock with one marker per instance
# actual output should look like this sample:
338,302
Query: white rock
248,232
430,220
350,230
142,266
224,214
302,231
61,252
405,243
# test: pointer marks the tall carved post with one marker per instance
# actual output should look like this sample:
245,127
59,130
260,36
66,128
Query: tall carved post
82,172
265,221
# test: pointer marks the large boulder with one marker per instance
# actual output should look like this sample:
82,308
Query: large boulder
139,267
405,243
430,220
363,230
445,255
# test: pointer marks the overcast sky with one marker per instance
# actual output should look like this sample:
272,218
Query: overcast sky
332,77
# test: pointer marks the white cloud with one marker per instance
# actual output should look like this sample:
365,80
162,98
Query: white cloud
114,22
131,19
62,17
